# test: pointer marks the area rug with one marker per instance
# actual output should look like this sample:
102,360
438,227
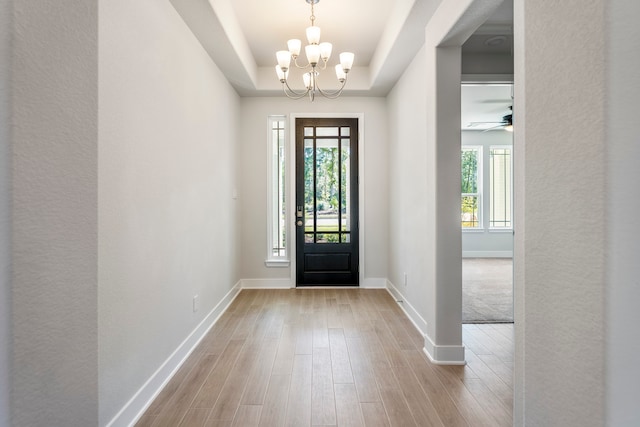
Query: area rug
487,290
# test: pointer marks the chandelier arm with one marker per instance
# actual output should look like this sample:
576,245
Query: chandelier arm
332,94
302,67
292,94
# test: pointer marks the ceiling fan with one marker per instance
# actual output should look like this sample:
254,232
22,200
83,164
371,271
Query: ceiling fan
506,123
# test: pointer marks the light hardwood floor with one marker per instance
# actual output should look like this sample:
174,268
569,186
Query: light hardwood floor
333,357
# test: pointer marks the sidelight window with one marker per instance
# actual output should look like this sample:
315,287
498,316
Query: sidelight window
276,223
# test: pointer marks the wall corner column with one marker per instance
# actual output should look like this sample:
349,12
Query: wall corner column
444,341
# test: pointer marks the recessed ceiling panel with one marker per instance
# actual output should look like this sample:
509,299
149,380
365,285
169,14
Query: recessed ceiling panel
354,25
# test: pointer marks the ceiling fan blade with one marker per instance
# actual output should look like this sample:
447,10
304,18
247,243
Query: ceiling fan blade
495,127
496,101
474,124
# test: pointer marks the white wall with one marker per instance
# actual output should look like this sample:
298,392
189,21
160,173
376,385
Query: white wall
408,231
54,212
486,242
5,213
560,250
419,245
623,245
252,192
167,224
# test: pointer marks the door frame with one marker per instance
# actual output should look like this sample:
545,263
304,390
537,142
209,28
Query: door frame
291,188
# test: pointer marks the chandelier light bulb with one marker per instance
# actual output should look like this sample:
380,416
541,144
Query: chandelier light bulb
346,60
313,53
307,80
282,75
284,59
313,34
325,51
340,74
294,46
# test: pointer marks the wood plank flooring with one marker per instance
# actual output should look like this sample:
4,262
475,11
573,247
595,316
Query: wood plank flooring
333,357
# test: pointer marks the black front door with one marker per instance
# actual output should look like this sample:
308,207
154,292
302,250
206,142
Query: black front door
327,201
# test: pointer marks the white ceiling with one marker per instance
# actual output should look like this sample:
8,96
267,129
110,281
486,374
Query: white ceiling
242,36
483,106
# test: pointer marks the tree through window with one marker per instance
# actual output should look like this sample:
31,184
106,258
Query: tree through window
470,187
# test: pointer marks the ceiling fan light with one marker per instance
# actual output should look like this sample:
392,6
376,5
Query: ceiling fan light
508,128
346,60
313,34
294,46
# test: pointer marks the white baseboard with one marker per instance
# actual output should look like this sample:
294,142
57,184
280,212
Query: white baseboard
138,404
266,283
374,283
437,354
413,315
487,254
443,354
368,283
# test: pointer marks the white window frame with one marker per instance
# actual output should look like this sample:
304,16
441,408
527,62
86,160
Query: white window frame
274,186
479,194
510,148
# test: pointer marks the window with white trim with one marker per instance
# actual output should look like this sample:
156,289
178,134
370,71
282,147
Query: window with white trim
471,187
277,255
500,179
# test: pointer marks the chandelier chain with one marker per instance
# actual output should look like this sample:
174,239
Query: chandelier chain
313,16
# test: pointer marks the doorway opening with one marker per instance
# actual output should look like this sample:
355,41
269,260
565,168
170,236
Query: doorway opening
487,202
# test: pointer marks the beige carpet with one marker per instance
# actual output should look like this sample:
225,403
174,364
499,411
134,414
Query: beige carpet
487,290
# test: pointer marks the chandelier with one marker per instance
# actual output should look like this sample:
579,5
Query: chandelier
317,57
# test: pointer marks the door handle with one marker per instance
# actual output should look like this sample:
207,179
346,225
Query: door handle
299,212
299,223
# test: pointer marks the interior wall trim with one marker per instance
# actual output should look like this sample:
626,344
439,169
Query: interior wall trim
437,354
374,283
138,404
266,283
413,315
443,354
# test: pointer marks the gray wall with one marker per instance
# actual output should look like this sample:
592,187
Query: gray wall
5,215
623,245
116,226
55,214
562,212
167,171
408,232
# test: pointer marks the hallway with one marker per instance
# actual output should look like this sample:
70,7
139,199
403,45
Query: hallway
333,357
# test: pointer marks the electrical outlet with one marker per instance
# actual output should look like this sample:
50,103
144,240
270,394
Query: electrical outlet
405,280
195,303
